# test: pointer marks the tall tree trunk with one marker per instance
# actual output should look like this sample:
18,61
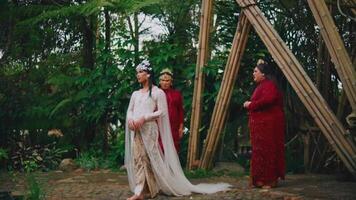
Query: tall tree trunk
88,52
136,39
106,126
135,34
89,25
9,34
107,30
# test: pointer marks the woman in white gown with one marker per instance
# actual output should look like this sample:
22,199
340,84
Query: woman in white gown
149,170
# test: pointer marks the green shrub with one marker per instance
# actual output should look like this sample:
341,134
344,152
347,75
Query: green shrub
35,191
88,161
116,155
3,154
30,158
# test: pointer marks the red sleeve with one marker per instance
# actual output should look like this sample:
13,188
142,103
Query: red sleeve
269,94
180,108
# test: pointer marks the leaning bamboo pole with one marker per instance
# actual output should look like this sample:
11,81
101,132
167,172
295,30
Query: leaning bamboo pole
337,51
203,52
353,9
223,99
343,99
303,86
336,48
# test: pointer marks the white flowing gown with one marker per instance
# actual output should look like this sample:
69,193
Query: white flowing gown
166,167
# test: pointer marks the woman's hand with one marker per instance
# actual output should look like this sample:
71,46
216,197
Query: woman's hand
138,123
180,131
131,124
246,104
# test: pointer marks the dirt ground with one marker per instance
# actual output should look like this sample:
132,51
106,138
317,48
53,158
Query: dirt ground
107,185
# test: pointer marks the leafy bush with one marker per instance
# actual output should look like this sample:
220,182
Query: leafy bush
95,158
3,154
116,155
30,158
87,161
3,157
30,165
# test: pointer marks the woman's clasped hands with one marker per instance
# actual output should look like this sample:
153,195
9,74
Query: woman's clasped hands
135,125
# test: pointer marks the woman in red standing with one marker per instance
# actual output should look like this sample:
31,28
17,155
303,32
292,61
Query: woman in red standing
267,126
175,107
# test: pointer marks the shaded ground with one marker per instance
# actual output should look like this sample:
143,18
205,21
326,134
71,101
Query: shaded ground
107,185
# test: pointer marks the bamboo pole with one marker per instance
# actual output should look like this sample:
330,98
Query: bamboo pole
336,49
309,95
225,92
203,52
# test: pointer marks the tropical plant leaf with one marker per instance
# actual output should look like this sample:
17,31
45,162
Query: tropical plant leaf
59,106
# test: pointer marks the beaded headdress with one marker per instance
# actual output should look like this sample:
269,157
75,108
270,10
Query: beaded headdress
144,66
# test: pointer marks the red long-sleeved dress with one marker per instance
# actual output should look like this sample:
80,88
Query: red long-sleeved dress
267,127
176,114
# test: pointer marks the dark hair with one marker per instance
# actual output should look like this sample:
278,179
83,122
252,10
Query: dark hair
151,80
266,70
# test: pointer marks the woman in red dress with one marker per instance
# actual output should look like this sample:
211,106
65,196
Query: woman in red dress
175,106
267,126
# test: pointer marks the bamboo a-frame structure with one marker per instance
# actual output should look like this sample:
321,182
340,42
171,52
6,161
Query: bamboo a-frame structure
330,126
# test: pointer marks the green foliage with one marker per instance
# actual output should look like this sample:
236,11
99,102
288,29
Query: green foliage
87,161
3,154
30,165
93,7
201,173
294,159
116,155
31,158
35,192
95,158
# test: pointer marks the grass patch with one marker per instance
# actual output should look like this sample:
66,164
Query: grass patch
202,173
35,191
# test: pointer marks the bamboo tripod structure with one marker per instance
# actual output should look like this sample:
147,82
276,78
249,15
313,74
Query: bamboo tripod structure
203,52
297,77
336,48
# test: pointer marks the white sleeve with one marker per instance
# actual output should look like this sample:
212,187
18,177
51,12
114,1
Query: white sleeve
161,107
131,107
